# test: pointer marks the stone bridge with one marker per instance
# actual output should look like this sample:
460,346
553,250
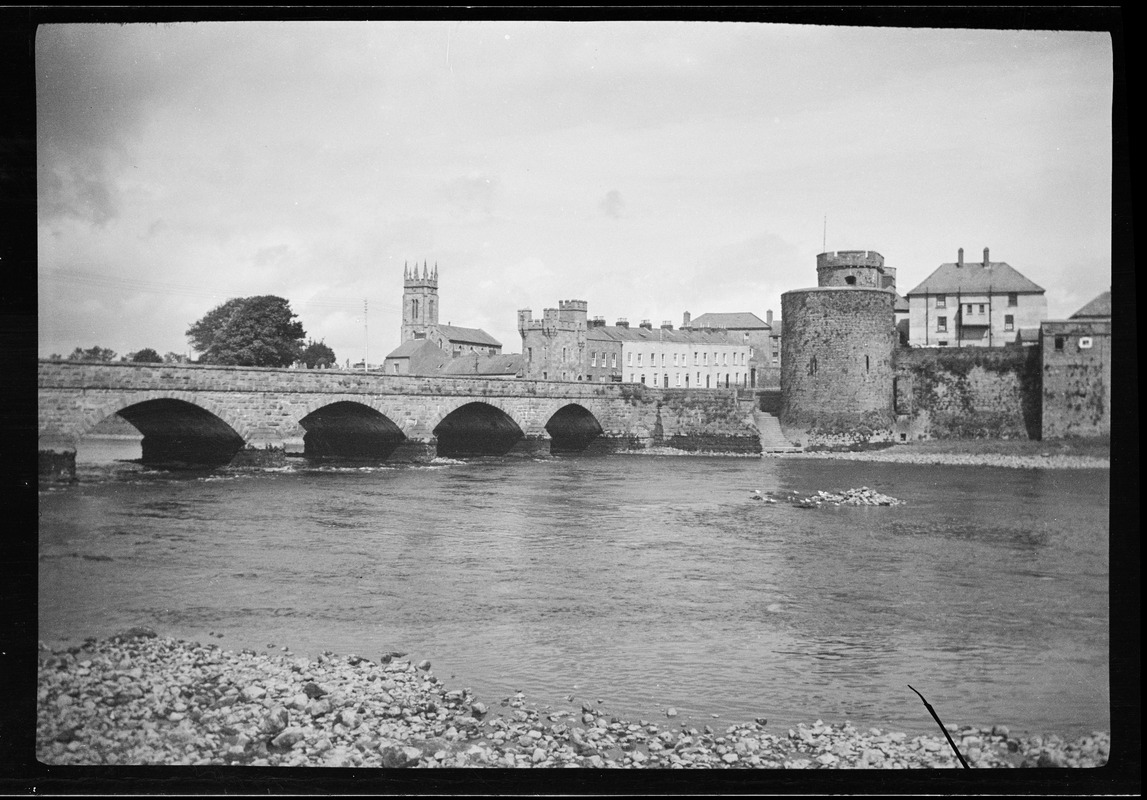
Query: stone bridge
210,416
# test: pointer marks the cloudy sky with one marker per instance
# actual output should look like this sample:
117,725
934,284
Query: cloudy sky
650,168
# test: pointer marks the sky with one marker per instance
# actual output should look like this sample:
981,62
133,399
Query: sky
649,168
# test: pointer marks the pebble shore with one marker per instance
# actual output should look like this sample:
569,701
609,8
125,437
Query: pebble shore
139,698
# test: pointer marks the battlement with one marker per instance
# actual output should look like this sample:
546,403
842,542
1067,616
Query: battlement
849,258
573,305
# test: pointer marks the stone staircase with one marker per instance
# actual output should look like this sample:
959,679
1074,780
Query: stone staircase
772,437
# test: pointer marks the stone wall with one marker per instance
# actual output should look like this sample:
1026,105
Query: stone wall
1076,378
967,393
836,368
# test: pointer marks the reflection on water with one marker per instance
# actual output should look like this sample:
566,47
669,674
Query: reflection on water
645,582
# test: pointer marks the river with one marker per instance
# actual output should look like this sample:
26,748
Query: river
642,582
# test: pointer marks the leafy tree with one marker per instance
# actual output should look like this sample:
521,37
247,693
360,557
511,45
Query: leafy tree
96,353
318,355
144,356
258,331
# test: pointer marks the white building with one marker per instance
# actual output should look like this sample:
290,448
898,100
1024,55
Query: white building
986,304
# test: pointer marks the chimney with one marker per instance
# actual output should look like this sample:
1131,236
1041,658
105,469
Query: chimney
666,325
985,256
769,316
646,324
622,322
960,260
685,322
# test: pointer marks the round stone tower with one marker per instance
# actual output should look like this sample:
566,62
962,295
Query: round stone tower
836,352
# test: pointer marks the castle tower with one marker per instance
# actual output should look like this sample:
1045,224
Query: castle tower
419,301
836,350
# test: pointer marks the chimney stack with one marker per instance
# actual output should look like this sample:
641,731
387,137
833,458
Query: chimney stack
622,322
769,316
685,322
985,256
960,259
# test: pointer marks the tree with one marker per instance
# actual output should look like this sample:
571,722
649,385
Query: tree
318,355
96,353
144,356
256,331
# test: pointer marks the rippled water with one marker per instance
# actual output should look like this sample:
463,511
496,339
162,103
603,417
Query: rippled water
644,582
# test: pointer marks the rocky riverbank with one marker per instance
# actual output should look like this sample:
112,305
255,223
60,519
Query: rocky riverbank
906,455
139,698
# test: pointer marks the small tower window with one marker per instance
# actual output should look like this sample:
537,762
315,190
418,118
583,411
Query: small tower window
850,280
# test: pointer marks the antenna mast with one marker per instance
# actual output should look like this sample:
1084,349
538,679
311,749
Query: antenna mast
364,358
824,236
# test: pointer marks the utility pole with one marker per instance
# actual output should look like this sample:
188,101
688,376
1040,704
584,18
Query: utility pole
364,351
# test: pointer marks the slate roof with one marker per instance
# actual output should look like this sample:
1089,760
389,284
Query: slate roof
409,347
456,333
620,334
974,278
901,304
739,320
1099,307
508,364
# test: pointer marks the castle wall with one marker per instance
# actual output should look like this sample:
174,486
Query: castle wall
1076,379
836,363
967,393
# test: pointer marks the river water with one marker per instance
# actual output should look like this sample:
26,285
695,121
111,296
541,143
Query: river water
642,582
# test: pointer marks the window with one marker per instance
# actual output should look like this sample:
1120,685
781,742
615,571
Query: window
642,377
639,361
695,357
613,359
726,362
969,311
629,361
1013,299
850,280
676,378
565,353
942,324
529,354
674,359
941,301
706,359
981,308
1009,322
593,359
1059,342
942,344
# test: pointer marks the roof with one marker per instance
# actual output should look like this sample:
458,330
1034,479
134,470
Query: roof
409,347
974,278
1099,307
509,364
616,333
739,320
900,305
455,333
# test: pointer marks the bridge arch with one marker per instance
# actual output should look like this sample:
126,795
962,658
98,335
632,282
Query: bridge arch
97,414
349,429
177,433
572,428
476,428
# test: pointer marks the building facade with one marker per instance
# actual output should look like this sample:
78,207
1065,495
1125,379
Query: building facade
764,358
565,345
985,304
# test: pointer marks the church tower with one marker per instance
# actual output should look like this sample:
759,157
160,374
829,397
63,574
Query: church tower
419,302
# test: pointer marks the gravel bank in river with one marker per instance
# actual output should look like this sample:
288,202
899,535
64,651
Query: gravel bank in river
143,699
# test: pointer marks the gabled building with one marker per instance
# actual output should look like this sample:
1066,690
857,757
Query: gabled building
757,333
984,304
